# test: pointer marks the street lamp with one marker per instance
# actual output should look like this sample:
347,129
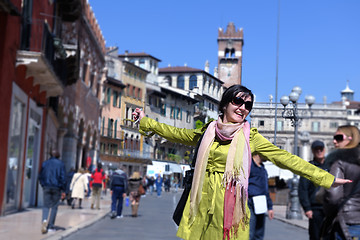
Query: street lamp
293,210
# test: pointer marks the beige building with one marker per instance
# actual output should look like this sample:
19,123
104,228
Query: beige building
123,92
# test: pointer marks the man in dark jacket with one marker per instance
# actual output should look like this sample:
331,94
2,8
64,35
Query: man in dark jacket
53,181
118,187
307,191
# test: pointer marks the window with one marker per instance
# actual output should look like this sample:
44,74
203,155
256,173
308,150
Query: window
108,95
193,82
135,92
280,125
115,128
103,126
119,99
315,126
115,148
139,93
172,112
180,82
163,109
110,127
188,116
115,99
261,123
92,80
178,113
334,125
167,80
142,63
84,73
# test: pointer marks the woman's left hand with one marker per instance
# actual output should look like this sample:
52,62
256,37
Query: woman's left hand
340,181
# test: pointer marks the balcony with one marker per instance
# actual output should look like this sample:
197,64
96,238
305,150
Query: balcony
45,59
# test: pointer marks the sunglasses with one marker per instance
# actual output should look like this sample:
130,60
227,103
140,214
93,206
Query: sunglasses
341,137
238,101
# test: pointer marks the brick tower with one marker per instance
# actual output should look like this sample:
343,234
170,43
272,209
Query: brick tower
230,44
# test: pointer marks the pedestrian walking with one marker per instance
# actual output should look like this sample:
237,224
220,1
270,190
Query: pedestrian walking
259,201
158,184
133,192
78,187
52,178
342,204
118,189
150,185
217,205
307,193
97,178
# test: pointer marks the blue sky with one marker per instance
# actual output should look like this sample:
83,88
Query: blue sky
319,40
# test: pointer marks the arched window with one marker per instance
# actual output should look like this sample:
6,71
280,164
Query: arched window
193,82
227,53
180,82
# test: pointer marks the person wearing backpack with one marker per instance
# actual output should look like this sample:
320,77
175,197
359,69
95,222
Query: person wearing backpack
97,177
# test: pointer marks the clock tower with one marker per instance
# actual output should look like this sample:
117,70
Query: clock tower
230,44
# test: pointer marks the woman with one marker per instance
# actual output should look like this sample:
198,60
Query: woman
217,206
133,192
78,186
345,163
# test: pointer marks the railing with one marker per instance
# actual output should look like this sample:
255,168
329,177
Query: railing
36,37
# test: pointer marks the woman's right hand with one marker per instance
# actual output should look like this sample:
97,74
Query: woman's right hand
138,114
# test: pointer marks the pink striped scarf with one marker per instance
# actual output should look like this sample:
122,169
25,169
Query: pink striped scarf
235,179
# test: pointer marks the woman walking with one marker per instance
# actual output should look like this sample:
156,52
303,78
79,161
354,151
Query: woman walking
343,202
78,187
133,192
217,205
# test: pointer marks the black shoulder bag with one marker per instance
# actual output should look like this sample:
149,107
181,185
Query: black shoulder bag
189,174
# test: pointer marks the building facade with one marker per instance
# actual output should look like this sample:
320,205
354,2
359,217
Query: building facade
33,65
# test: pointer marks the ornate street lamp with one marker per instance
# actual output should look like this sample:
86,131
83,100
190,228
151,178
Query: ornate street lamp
293,210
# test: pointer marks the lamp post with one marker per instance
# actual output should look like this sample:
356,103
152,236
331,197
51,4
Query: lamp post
293,210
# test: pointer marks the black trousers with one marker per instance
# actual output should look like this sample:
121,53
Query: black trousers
315,224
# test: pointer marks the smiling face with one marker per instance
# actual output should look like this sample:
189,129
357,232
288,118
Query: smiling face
236,113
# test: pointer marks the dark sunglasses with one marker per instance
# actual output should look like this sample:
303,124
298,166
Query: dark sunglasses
238,101
341,137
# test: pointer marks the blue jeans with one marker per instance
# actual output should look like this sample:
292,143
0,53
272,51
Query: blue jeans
52,198
158,190
354,231
117,200
257,223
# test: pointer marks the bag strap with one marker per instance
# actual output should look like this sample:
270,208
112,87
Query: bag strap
192,166
76,180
